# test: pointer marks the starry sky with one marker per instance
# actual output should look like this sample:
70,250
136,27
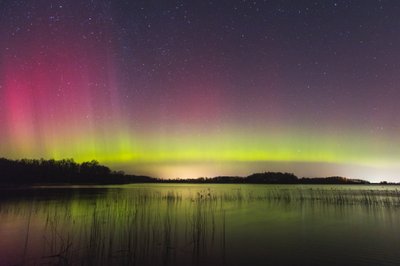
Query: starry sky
204,88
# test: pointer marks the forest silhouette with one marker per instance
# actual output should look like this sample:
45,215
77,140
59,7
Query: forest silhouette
28,171
67,171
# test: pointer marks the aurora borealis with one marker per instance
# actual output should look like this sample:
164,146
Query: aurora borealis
204,88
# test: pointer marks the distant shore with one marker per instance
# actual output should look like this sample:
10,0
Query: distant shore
26,172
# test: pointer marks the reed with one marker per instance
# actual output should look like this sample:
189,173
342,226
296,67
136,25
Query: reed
159,227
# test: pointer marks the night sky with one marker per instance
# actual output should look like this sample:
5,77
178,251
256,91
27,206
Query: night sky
204,88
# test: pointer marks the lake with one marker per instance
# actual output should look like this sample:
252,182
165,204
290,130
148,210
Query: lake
201,224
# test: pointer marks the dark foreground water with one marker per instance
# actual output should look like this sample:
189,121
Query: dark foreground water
169,224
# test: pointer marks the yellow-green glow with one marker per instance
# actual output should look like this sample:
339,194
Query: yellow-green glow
219,148
189,152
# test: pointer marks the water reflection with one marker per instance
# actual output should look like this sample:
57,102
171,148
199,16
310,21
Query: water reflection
200,225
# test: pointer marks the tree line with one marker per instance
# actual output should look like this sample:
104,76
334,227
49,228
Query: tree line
270,178
28,171
33,171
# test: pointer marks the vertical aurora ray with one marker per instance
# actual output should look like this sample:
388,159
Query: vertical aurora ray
61,94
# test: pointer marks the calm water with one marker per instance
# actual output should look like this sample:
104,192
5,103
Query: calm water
170,224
